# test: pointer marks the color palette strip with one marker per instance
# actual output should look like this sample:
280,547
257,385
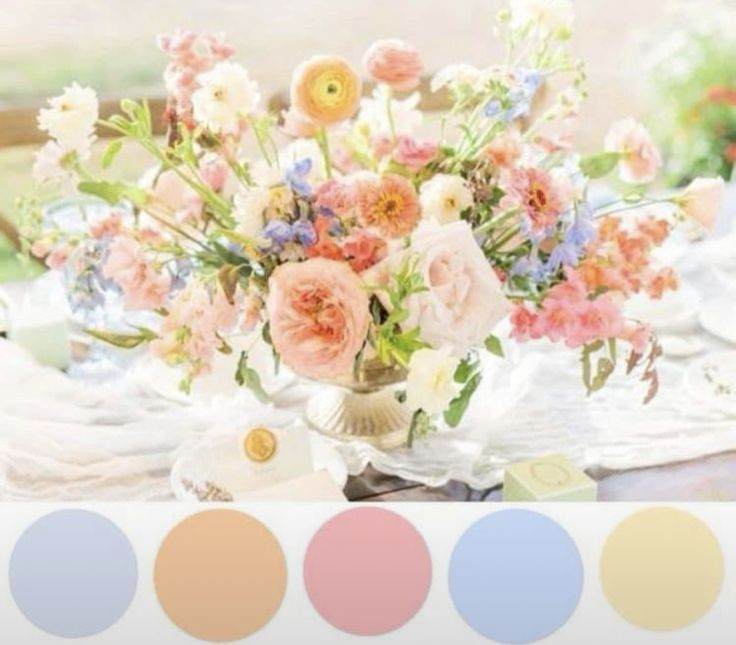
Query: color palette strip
404,573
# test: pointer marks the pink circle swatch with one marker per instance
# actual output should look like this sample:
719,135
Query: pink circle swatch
367,571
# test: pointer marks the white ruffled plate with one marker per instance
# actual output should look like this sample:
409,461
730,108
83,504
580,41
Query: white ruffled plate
712,379
215,467
676,310
220,381
718,317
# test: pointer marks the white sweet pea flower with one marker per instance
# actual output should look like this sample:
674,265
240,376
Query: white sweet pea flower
71,117
430,385
374,114
444,197
551,17
250,207
701,201
457,77
226,95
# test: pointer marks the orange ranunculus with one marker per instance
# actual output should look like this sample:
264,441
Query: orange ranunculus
326,90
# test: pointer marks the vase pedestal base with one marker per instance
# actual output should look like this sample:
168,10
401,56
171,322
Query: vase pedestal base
372,416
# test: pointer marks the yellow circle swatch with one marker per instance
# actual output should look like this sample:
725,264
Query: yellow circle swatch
662,569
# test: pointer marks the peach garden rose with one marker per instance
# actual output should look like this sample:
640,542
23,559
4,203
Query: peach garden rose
318,310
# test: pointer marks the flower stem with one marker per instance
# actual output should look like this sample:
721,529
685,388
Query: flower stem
324,146
390,114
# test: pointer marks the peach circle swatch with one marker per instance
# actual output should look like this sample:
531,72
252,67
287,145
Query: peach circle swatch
662,569
220,575
367,571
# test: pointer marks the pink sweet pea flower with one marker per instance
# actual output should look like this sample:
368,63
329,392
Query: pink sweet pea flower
144,286
640,158
701,201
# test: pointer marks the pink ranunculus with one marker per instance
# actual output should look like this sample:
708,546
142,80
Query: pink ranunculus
297,125
504,150
640,159
144,287
363,249
414,154
701,201
395,63
464,299
334,197
319,316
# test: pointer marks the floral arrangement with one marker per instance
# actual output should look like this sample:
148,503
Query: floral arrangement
359,240
693,83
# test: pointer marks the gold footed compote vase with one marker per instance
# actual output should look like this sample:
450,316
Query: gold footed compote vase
362,407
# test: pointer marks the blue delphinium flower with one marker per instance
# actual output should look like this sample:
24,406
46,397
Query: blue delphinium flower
519,99
304,232
279,233
530,267
564,254
296,177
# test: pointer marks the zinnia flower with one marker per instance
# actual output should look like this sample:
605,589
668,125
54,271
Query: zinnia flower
534,191
319,317
326,90
395,63
226,96
390,204
640,158
701,201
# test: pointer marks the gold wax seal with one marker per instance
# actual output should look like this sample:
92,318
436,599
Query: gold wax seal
260,445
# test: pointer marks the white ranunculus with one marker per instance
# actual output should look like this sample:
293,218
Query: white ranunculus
430,384
250,207
463,300
71,118
551,17
701,201
444,197
226,95
374,113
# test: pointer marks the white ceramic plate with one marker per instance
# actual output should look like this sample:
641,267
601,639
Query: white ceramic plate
220,381
215,461
712,379
681,346
718,317
676,310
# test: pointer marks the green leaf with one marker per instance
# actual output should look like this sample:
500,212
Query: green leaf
114,192
493,345
248,377
599,165
465,370
125,341
459,405
111,152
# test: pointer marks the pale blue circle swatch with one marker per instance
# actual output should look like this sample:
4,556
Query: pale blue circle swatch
73,573
516,576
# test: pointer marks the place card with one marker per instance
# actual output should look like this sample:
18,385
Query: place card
548,479
316,487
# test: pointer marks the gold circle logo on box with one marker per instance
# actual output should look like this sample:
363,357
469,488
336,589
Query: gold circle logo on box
260,445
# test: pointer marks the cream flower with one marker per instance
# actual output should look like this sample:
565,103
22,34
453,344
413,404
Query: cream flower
445,197
430,384
71,117
552,17
701,201
374,115
301,149
250,207
225,97
458,77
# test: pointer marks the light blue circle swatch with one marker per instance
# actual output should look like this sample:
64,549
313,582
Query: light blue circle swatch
516,576
73,573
